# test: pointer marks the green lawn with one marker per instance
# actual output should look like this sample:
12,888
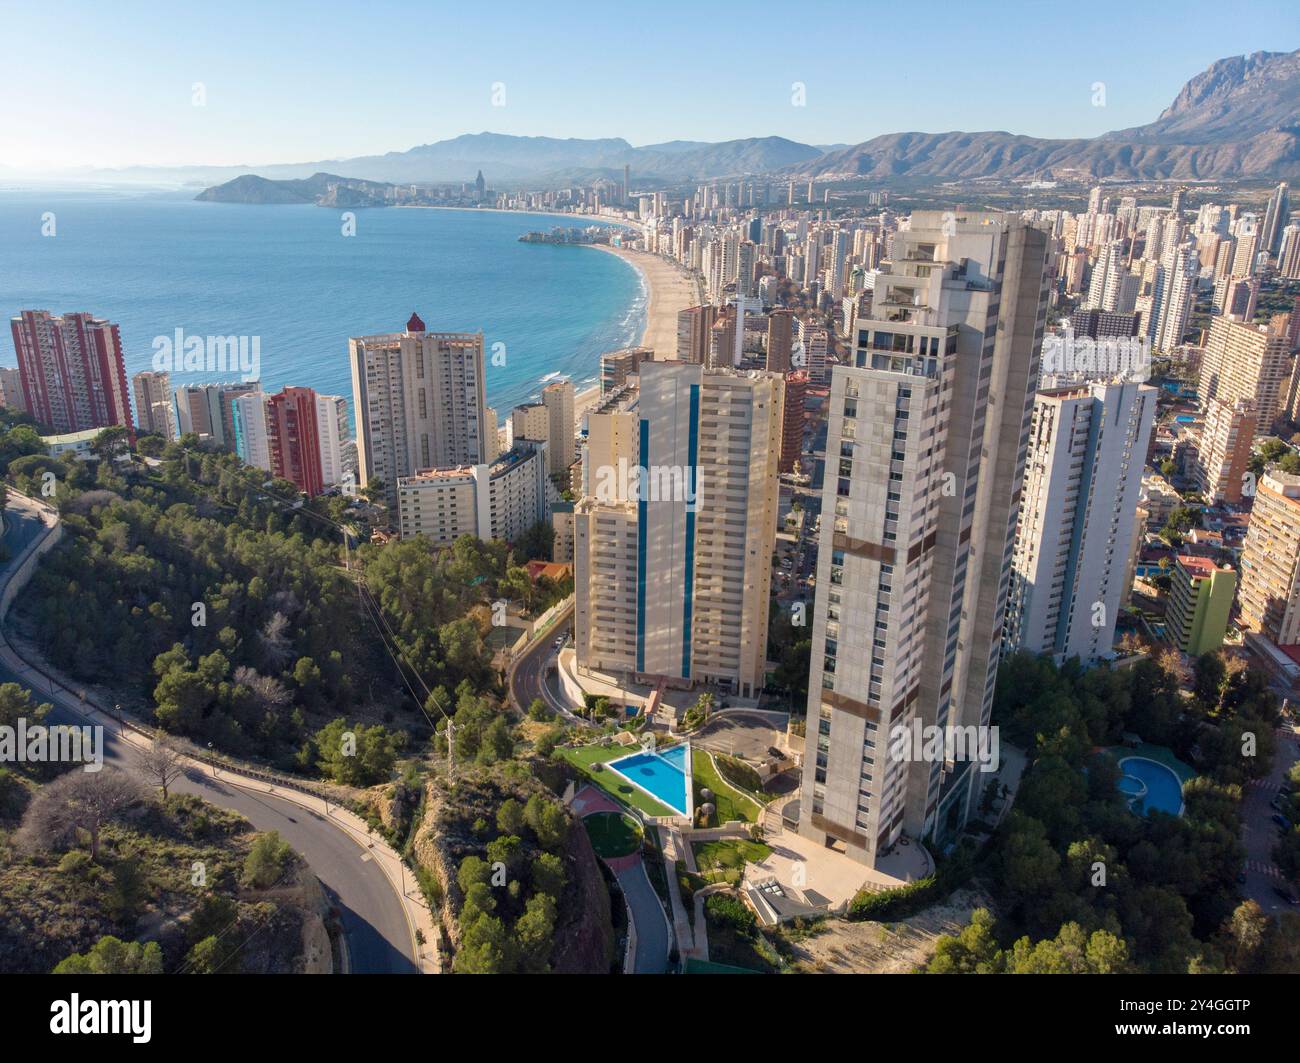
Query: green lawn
589,760
723,861
613,833
730,803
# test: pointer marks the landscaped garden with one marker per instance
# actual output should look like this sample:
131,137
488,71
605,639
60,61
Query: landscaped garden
725,860
729,802
735,939
613,834
590,762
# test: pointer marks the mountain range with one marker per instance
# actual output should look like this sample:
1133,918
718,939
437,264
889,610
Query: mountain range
1240,118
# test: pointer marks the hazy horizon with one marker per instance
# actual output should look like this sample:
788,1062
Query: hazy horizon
246,86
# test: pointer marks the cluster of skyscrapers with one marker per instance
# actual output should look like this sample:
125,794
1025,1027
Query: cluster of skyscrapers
976,500
426,434
71,377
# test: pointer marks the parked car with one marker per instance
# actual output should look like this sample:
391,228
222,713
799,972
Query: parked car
1286,895
1282,821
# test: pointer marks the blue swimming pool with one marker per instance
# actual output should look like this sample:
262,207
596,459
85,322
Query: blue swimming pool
661,775
1150,785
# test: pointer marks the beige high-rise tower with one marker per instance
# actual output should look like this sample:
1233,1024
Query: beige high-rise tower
1245,362
1270,561
154,411
673,538
925,455
419,402
557,397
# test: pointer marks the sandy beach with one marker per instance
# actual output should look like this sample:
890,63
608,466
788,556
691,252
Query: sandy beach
623,223
669,291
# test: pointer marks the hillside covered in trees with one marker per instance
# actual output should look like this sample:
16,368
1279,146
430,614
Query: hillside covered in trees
1084,885
202,598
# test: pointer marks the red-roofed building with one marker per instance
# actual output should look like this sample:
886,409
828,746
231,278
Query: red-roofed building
554,571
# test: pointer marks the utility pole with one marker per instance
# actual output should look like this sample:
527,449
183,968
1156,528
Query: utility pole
451,742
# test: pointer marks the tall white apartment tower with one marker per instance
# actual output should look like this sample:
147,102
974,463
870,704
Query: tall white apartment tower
1087,448
673,538
1105,289
926,430
332,427
1179,292
419,403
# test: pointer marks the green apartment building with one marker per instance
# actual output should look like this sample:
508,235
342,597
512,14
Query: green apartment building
1199,601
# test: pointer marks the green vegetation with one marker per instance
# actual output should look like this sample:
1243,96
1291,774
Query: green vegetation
729,803
198,596
110,956
268,861
734,936
1181,520
1073,951
357,756
724,861
791,647
613,834
738,773
897,903
1071,860
508,842
88,859
1274,450
589,762
699,712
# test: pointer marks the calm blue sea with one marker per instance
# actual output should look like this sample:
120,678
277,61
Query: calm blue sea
157,261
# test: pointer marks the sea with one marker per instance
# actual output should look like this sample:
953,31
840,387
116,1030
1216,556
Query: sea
156,261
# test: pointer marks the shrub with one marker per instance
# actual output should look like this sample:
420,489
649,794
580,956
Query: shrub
267,861
896,903
727,911
738,773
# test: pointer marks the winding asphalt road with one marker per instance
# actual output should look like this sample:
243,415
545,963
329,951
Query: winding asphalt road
528,677
375,928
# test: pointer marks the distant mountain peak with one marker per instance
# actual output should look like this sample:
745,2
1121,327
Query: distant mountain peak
1232,99
1237,118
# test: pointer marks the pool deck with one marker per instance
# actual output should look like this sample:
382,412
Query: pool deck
1156,755
685,771
1159,754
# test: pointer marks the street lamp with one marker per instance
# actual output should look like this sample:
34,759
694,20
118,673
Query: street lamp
214,761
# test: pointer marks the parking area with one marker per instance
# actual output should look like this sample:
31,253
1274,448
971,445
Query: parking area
743,734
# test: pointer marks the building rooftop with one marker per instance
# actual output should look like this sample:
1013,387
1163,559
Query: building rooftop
68,439
1201,567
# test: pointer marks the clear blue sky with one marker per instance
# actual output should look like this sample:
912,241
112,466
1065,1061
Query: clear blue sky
109,84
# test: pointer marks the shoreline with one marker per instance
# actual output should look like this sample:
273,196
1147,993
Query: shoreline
621,222
668,290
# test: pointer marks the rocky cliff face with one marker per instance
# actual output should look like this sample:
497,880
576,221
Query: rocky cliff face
1238,119
458,821
1243,96
584,932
